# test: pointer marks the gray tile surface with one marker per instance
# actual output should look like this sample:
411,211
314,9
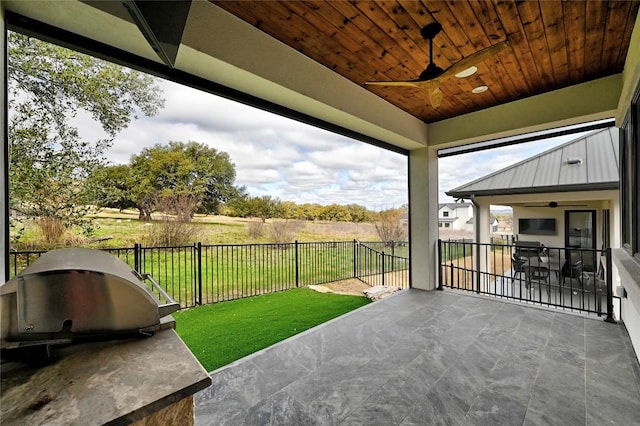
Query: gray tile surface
429,358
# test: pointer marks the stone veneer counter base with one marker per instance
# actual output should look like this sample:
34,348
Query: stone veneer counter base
115,382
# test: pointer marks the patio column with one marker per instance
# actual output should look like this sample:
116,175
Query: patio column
4,162
482,233
423,218
614,216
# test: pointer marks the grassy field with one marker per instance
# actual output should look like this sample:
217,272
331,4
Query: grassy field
230,264
122,229
222,333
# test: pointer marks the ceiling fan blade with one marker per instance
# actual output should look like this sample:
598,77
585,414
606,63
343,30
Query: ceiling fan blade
461,65
430,85
435,97
408,83
474,59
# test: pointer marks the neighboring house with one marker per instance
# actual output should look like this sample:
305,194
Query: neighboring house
566,196
459,217
493,225
455,216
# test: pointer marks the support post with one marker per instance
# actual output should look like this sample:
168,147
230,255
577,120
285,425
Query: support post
136,257
609,317
297,265
199,266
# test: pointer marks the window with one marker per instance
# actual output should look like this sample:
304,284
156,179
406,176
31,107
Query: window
445,214
630,177
447,225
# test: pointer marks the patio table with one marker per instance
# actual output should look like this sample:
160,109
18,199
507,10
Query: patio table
553,264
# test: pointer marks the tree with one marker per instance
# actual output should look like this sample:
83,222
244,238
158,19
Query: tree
48,86
185,176
390,227
263,207
111,186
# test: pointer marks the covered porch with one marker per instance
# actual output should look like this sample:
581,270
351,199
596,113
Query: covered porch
442,356
438,357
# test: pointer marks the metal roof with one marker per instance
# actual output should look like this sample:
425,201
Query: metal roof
587,163
453,206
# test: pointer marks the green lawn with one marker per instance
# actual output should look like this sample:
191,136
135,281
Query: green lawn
221,333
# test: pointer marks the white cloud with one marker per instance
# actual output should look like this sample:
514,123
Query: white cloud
293,161
273,155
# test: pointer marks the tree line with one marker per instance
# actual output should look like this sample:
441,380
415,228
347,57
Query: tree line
183,179
57,177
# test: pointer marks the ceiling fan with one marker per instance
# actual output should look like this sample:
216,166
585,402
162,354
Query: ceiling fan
554,204
431,78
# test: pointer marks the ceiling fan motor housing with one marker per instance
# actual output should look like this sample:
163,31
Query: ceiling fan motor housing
432,71
431,30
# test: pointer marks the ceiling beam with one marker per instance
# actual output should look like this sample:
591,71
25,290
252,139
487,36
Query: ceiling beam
630,73
582,103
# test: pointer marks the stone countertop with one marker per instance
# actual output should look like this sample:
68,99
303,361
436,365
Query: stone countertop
114,382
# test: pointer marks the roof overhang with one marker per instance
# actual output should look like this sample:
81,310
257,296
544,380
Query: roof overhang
601,186
243,59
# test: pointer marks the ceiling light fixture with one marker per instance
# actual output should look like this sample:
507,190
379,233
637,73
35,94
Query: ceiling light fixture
466,73
480,89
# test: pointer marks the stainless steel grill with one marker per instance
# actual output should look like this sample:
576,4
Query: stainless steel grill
76,294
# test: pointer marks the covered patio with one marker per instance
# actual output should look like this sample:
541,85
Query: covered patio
420,357
437,357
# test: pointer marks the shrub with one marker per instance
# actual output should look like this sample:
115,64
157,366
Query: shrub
255,229
170,232
390,227
52,228
284,231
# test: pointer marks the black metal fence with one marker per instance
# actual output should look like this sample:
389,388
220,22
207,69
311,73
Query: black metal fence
572,278
375,267
203,274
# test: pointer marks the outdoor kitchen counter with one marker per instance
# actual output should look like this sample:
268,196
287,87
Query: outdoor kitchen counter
115,382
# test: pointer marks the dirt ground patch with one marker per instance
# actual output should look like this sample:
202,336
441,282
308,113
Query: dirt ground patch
351,286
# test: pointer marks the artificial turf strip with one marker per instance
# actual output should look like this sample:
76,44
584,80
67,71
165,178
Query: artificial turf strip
221,333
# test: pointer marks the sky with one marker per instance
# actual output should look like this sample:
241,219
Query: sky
293,161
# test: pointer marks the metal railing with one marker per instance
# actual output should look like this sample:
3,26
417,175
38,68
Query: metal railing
571,278
201,274
375,267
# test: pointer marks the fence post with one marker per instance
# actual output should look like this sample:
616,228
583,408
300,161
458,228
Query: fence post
297,266
609,317
355,258
199,267
136,257
440,271
383,256
478,249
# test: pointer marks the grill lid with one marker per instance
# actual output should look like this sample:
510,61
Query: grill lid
76,292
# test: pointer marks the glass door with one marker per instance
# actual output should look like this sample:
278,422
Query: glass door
580,232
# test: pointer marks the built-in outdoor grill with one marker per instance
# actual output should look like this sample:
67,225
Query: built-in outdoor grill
77,295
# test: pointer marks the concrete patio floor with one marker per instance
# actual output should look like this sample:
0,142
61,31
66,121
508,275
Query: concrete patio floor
437,357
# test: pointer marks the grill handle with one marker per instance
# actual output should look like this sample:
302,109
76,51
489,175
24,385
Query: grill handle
168,308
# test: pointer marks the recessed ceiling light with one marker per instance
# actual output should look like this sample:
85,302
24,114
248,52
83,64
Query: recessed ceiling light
466,73
480,89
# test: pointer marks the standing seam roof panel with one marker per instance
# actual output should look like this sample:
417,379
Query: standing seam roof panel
547,172
602,165
573,174
598,150
502,180
525,176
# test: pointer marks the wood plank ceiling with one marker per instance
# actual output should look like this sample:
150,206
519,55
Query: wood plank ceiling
552,44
